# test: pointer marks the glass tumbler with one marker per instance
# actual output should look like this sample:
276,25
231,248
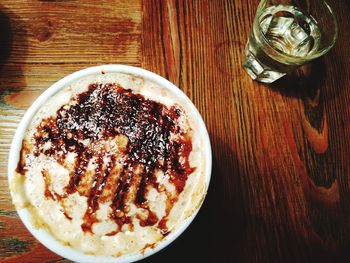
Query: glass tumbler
287,34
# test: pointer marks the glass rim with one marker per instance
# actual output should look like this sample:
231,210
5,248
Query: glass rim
291,58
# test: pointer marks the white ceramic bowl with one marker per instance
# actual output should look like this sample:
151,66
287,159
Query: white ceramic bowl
41,234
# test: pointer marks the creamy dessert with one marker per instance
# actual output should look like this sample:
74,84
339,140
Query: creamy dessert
110,165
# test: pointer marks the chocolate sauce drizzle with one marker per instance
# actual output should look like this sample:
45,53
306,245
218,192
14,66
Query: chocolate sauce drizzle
155,141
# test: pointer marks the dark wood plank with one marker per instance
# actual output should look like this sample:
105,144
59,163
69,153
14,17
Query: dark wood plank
280,187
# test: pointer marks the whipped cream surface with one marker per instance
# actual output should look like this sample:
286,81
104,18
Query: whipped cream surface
111,164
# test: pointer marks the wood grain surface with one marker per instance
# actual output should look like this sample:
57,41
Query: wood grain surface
280,189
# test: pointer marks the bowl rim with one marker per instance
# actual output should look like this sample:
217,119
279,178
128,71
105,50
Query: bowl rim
41,234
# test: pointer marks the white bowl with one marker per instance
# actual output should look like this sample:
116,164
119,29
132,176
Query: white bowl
43,235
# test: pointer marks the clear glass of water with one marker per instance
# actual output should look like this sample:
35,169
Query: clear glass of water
287,34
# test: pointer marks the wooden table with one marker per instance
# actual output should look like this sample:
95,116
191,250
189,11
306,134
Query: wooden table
280,189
